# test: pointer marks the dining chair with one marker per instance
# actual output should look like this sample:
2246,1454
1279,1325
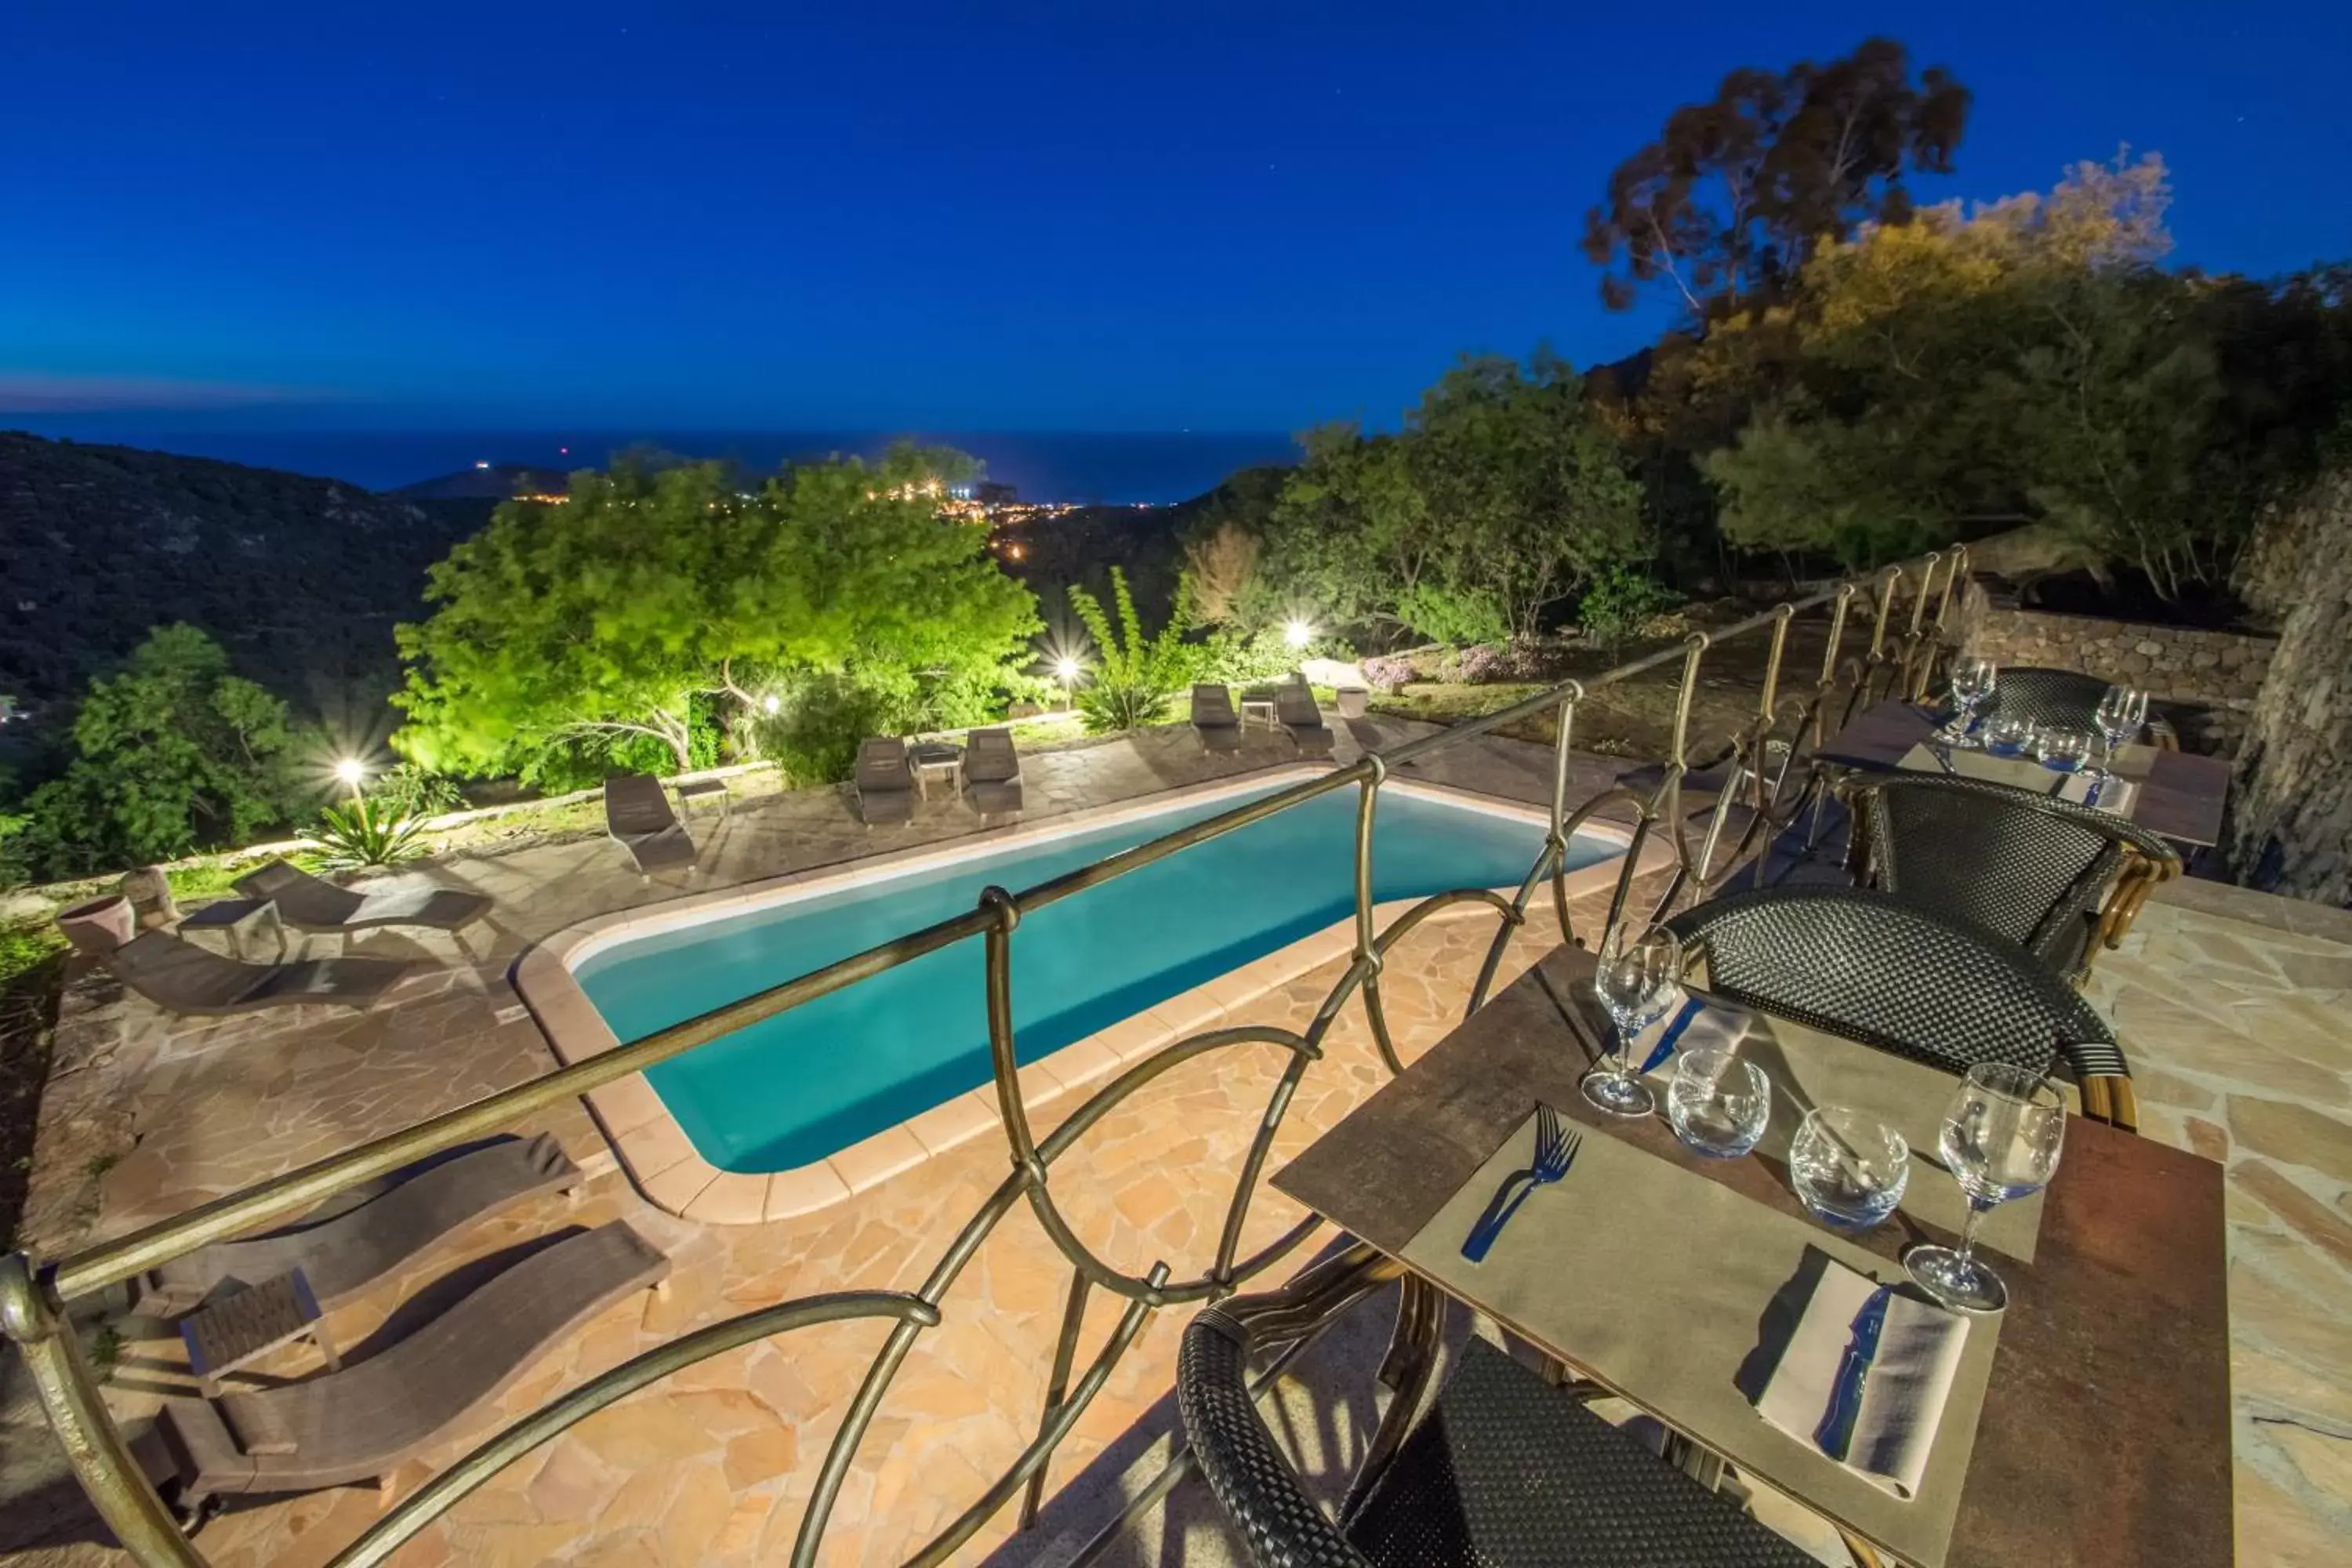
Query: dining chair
1890,973
2061,880
1505,1472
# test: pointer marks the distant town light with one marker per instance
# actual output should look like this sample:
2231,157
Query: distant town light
481,465
1298,634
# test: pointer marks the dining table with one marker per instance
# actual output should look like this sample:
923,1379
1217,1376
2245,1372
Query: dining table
2176,794
2088,1424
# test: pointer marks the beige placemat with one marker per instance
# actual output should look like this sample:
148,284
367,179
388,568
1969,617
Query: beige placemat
1808,1068
2119,794
1678,1292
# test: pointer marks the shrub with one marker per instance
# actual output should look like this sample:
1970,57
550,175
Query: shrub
1136,679
1388,671
416,790
1620,599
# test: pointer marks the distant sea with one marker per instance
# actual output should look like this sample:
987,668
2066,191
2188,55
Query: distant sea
1075,466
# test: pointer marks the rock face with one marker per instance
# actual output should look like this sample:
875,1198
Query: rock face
2291,823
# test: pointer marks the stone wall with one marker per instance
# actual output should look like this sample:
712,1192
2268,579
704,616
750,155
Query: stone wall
2222,671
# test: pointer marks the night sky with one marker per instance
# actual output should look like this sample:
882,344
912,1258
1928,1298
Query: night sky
992,216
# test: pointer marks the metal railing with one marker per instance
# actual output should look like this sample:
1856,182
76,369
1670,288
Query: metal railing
1772,770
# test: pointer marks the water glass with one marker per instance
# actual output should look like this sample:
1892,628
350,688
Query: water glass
1972,687
1638,978
2122,714
2007,737
1849,1168
1718,1103
2000,1140
2062,751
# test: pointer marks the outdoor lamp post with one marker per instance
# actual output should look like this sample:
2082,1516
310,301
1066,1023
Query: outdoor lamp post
353,772
1067,668
1298,634
771,704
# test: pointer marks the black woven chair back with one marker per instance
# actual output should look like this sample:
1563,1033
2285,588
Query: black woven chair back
1505,1472
2026,868
2066,699
1878,968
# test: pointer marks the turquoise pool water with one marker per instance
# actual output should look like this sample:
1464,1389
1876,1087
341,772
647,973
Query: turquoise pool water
797,1088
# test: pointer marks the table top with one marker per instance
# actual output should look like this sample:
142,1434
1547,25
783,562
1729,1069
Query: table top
2105,1436
236,1329
934,753
702,786
2181,797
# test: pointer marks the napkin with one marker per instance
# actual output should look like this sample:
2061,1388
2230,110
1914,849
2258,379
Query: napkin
1908,1352
1692,1023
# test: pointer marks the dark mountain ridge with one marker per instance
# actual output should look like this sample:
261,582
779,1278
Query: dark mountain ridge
301,578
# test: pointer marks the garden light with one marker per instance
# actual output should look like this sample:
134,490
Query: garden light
1298,634
771,704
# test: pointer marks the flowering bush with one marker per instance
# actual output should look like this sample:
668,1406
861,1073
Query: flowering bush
1388,671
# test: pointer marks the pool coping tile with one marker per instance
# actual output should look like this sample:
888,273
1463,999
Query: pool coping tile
661,1158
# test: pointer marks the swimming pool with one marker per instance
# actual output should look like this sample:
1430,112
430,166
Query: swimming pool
806,1084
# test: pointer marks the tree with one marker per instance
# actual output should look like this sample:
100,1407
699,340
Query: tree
2023,362
1731,201
654,594
1503,494
171,754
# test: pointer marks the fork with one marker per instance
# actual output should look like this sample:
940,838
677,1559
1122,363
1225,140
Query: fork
1555,1153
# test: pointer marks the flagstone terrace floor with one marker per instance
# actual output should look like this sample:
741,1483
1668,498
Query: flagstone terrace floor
2233,1015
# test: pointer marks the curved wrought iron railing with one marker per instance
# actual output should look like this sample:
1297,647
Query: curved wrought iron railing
1769,767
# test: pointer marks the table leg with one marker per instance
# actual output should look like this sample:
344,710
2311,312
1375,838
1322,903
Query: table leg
326,1343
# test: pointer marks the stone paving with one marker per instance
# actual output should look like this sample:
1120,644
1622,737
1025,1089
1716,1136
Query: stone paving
2230,1007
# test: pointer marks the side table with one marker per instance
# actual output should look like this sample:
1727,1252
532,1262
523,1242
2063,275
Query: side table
239,918
237,1330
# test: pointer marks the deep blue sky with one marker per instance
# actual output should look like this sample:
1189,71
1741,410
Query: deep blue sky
992,216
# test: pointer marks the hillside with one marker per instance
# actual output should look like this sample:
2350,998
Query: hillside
489,481
299,578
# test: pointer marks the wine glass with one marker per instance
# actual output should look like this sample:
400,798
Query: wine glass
2000,1139
1637,978
2122,714
1972,688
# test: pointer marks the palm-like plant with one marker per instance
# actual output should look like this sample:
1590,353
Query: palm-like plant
360,834
1138,678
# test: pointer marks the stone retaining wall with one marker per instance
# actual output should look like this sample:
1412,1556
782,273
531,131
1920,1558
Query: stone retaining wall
2220,670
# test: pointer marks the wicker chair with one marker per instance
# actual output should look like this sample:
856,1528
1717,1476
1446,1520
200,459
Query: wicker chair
1504,1472
2059,879
1884,971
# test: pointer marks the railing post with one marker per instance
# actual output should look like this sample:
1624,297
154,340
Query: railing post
93,1444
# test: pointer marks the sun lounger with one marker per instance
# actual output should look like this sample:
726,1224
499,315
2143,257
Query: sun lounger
181,977
1295,709
364,1234
885,787
368,1419
1214,718
637,815
992,772
313,904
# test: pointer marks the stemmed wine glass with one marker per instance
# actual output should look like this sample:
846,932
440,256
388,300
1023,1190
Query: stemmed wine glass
1638,979
2000,1139
1972,688
2121,714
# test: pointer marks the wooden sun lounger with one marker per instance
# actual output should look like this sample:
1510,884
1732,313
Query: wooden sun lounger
1295,709
182,977
357,1239
885,788
992,772
310,903
638,816
1214,718
368,1419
